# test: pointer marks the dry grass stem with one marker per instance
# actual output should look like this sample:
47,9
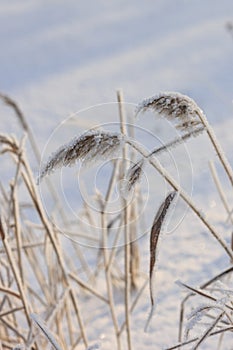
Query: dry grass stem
134,173
124,132
203,286
181,344
208,331
162,171
88,288
108,279
41,273
202,293
48,334
220,190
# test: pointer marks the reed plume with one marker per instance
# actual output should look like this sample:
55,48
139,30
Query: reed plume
178,108
91,145
133,176
187,116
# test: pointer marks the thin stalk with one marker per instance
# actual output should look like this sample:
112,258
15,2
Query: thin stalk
221,195
220,189
208,331
87,287
108,279
226,165
162,171
177,141
126,228
13,328
203,294
134,246
17,277
51,315
32,259
5,313
212,280
107,198
17,280
29,182
135,303
69,322
26,127
114,248
9,291
17,229
177,346
15,205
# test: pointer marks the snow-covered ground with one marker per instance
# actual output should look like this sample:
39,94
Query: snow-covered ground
61,57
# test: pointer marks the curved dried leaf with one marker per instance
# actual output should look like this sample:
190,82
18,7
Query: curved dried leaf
154,236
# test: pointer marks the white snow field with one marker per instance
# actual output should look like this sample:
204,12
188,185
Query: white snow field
66,59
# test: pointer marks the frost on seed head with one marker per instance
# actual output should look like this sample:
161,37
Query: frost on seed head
95,145
133,176
180,109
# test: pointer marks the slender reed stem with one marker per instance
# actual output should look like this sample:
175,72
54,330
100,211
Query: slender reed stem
17,279
135,302
88,288
29,182
108,279
217,147
182,309
155,163
178,346
220,190
208,331
177,141
126,228
221,195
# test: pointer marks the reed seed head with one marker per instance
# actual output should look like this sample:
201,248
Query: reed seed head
176,107
95,145
133,175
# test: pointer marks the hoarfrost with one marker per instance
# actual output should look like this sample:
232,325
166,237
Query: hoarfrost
91,146
176,107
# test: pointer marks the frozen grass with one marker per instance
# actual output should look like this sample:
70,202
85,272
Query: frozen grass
46,282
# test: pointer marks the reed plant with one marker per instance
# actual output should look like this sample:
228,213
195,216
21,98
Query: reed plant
43,297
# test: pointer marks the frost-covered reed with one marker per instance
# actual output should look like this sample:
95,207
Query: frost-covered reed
186,116
180,109
96,145
59,292
156,229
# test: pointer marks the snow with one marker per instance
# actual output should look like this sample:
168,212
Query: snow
62,61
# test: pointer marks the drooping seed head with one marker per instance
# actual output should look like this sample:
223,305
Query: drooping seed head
133,175
180,109
90,146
